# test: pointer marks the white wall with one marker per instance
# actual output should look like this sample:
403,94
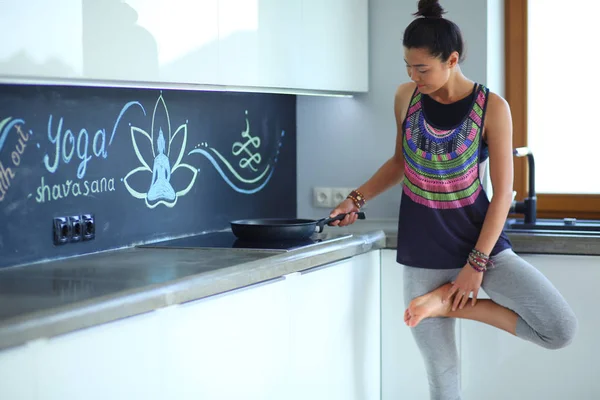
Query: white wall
342,141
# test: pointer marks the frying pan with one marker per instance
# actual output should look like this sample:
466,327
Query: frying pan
281,229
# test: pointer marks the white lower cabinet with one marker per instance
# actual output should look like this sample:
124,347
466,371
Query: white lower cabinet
119,360
499,366
312,335
335,331
17,375
235,346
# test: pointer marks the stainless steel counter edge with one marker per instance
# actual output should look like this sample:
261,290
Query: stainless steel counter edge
49,323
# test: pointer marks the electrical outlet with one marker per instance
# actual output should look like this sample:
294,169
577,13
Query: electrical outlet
88,225
322,197
61,230
339,194
75,228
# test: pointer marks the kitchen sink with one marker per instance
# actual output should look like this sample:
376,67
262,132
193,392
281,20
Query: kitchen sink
566,226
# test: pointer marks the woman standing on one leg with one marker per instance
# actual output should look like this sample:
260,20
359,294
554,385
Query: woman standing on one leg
450,237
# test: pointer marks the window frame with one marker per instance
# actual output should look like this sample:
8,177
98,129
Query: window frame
583,206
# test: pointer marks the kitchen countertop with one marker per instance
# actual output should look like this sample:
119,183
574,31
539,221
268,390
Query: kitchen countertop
52,298
48,299
523,242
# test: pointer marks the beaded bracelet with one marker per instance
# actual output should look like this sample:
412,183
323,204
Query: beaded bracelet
479,261
476,266
480,254
357,198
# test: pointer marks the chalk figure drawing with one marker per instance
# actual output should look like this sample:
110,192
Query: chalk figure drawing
160,190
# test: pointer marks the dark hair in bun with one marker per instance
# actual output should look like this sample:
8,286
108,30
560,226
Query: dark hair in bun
429,9
431,31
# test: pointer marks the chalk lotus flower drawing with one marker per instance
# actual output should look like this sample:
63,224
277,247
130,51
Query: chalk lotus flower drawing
156,180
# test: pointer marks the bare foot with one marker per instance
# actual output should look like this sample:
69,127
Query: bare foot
428,305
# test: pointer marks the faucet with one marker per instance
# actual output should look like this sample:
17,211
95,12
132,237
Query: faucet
528,205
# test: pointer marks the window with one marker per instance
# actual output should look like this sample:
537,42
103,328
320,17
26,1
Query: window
552,88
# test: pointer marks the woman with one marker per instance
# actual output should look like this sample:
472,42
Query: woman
450,237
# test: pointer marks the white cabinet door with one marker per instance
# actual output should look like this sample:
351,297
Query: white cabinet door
297,44
403,372
497,365
335,45
235,346
260,43
335,338
280,60
17,373
118,360
141,40
228,347
238,42
187,36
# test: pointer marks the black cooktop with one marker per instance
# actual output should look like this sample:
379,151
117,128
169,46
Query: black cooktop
226,239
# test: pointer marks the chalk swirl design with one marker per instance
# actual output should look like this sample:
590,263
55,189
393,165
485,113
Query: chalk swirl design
230,174
244,149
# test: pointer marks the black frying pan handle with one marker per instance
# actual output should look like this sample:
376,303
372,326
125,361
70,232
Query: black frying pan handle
325,221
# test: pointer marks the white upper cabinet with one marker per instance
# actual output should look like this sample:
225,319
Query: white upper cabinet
272,44
187,37
238,42
259,43
293,44
280,35
335,45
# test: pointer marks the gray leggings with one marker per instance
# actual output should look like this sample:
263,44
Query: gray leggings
545,318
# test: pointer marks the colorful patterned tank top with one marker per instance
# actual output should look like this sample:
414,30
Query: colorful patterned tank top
443,202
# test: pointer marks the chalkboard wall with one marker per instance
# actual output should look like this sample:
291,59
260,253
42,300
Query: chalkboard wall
148,164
